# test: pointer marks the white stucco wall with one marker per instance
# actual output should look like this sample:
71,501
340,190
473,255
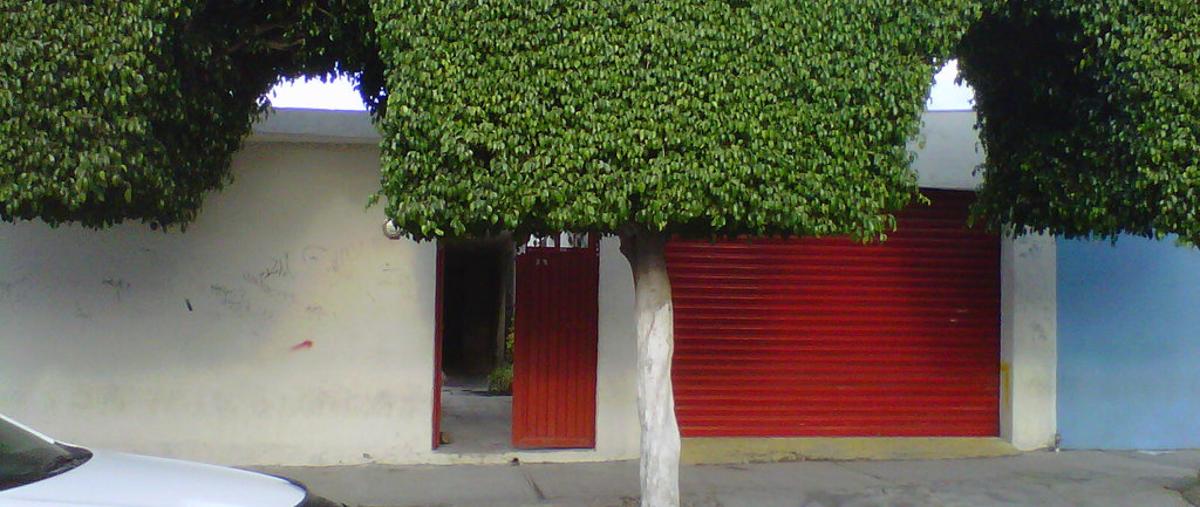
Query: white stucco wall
947,151
618,433
98,345
1028,341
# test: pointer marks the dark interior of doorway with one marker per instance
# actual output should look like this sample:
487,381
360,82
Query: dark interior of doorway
476,315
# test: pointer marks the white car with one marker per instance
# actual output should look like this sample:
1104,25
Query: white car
38,471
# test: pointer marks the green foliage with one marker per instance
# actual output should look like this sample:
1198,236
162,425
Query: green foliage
500,379
120,109
1090,115
694,117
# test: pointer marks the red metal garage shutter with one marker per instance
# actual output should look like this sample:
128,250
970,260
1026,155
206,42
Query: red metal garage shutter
832,338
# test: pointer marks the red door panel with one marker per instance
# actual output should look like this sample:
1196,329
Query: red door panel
826,337
554,353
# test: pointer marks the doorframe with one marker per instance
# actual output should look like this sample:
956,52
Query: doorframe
593,247
437,346
439,323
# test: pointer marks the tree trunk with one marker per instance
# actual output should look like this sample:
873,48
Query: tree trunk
655,345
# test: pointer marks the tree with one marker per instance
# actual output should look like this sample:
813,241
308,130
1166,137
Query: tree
653,119
1090,115
116,109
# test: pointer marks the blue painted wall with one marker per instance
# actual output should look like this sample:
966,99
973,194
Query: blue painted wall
1128,344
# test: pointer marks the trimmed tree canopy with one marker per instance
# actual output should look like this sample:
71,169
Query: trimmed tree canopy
1090,115
131,109
710,117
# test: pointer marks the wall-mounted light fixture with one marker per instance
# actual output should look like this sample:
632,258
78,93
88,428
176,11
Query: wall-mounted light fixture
391,231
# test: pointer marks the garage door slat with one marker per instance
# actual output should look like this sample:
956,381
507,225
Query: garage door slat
827,337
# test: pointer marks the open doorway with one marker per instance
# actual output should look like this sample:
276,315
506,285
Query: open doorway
476,359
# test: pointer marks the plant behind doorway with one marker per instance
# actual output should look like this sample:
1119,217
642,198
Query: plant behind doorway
501,377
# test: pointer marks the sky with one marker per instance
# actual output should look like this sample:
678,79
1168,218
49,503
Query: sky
340,94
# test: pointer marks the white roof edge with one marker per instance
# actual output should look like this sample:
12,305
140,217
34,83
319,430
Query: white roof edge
948,151
947,148
315,126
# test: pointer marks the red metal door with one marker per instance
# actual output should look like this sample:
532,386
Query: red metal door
826,337
554,352
437,348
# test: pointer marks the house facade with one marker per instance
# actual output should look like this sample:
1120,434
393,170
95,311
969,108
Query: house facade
284,327
1129,344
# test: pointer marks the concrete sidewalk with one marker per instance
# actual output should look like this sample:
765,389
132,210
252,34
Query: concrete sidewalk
1039,479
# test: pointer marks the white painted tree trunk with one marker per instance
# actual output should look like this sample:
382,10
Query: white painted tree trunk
656,344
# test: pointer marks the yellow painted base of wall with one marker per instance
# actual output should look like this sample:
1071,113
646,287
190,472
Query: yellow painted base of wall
759,450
